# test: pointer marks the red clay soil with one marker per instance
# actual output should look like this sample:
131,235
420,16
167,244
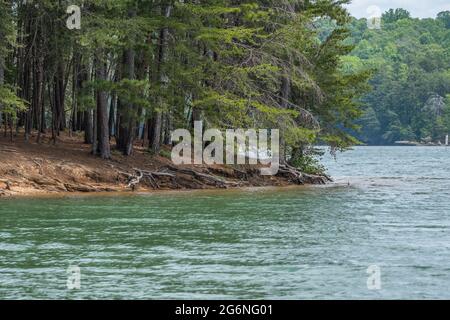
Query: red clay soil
28,168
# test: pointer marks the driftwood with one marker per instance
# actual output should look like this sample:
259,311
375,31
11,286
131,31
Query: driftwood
5,149
176,175
296,176
135,179
207,179
39,163
194,178
79,188
7,183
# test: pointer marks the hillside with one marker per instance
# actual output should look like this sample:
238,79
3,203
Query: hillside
410,97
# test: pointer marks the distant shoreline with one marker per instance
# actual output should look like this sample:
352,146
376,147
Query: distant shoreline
399,145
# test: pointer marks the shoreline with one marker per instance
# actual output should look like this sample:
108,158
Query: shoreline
149,192
29,169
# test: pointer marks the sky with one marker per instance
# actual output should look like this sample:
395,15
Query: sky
418,8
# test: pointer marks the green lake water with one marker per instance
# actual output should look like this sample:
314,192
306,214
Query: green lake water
389,206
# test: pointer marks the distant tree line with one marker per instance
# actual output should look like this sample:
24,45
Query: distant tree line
410,96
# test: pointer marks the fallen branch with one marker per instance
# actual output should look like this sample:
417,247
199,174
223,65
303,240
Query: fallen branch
192,178
39,164
203,177
8,150
135,179
175,174
296,176
7,183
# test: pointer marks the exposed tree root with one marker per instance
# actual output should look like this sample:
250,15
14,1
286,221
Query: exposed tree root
298,177
207,179
39,163
179,177
43,169
170,176
7,184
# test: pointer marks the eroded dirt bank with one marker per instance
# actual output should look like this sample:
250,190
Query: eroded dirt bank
28,168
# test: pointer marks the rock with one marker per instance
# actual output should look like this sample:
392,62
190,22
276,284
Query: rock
42,181
79,188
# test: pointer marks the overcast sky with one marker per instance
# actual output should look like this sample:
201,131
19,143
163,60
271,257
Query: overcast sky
418,8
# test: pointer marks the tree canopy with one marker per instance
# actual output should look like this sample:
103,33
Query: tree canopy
410,57
135,70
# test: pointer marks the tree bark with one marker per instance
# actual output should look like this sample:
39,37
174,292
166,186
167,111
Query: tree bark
2,71
59,92
126,121
38,93
88,127
284,102
104,149
162,57
2,81
112,116
129,137
82,78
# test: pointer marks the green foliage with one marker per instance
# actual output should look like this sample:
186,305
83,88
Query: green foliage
393,15
7,30
10,104
309,164
444,17
259,64
165,154
411,59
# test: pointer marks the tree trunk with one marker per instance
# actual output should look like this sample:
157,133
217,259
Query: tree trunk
104,149
2,81
26,75
2,71
95,133
162,57
125,112
112,116
82,78
59,93
284,102
38,95
129,137
88,127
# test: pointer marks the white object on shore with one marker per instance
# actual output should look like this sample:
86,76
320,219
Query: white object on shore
446,140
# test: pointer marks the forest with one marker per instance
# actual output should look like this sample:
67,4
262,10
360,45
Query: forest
410,96
125,73
135,70
94,204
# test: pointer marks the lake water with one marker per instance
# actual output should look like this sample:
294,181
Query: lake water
389,207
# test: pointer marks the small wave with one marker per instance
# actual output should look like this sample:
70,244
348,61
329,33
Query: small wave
433,178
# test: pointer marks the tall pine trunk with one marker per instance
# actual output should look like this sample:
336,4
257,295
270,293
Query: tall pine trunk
162,57
88,127
2,81
86,117
38,88
284,103
129,137
104,149
126,112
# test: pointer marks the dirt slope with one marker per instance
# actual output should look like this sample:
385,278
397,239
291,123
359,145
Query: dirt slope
28,168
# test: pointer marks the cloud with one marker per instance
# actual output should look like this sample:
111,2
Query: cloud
418,8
